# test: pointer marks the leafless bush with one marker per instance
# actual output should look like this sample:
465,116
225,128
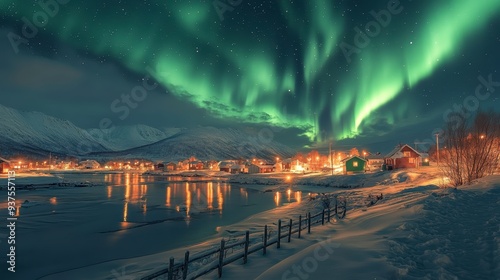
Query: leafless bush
471,150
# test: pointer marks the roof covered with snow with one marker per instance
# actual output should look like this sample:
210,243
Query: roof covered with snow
4,160
397,151
349,158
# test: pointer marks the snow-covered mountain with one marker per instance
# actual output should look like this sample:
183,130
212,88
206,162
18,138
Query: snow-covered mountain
130,136
208,143
38,134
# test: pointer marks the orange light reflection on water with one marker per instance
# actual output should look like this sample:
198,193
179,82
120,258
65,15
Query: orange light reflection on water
167,201
210,195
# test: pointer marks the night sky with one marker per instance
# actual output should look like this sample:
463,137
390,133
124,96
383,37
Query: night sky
301,66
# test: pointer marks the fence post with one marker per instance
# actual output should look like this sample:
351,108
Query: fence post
290,231
329,210
265,239
221,257
279,234
300,224
171,269
323,217
309,222
247,240
345,208
186,263
336,207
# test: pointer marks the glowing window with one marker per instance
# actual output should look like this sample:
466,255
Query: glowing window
355,163
406,154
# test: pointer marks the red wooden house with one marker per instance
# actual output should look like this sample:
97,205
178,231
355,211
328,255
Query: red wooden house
159,166
196,165
171,166
403,156
4,165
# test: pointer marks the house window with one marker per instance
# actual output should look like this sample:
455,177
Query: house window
412,160
406,154
355,163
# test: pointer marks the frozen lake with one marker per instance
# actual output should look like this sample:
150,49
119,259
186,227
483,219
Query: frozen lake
129,215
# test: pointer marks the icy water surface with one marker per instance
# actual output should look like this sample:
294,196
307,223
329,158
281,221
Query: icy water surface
129,215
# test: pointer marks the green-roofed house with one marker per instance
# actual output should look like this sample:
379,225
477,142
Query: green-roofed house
354,164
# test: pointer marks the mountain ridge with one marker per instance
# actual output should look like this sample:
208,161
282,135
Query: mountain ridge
37,134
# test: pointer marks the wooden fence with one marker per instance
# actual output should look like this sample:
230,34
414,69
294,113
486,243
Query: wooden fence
231,250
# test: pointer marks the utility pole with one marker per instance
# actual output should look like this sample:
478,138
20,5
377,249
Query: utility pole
50,159
331,158
437,148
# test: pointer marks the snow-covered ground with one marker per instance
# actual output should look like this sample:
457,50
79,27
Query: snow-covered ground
418,230
32,178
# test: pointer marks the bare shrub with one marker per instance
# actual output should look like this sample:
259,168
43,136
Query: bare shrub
471,149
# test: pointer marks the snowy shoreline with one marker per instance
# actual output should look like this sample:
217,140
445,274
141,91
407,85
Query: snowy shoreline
391,237
358,206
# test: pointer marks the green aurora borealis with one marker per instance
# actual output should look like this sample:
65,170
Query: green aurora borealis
281,64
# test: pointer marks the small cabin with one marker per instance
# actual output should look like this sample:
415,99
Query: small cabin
261,168
374,162
171,166
226,166
237,168
403,156
253,168
196,165
354,164
4,166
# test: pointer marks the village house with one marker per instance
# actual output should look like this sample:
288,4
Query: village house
354,164
284,165
170,166
278,167
4,165
159,166
299,166
211,165
65,164
261,168
226,166
253,168
237,169
403,156
183,165
267,168
374,162
196,165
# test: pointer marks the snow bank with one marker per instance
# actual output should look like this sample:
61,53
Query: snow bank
425,233
334,181
457,238
415,231
23,179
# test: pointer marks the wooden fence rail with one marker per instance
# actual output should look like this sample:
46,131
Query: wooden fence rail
217,257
